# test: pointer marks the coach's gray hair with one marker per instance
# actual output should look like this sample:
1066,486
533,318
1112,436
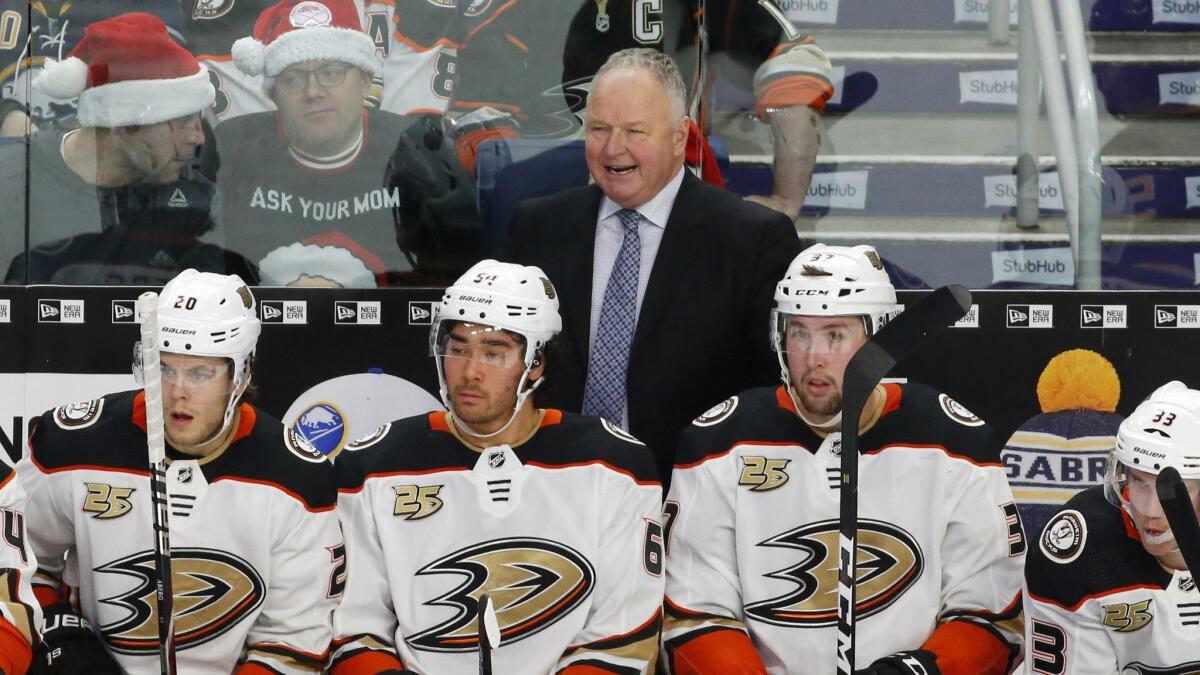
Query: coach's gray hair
658,65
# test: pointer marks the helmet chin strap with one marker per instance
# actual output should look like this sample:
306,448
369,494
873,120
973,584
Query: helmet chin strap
829,425
522,394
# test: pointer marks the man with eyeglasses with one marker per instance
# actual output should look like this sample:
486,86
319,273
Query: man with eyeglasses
114,201
257,555
313,170
555,515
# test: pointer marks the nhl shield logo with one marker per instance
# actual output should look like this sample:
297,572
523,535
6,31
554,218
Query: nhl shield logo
496,459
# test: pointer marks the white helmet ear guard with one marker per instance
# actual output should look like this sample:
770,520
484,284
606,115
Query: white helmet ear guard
206,314
516,298
1164,430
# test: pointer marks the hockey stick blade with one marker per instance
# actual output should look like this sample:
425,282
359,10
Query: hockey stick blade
489,633
866,368
1177,505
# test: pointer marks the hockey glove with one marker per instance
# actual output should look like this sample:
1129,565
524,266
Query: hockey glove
70,646
797,73
915,662
468,131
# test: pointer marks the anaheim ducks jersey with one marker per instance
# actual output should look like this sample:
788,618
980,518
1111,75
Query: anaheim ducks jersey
1098,603
415,43
20,613
752,538
257,557
562,530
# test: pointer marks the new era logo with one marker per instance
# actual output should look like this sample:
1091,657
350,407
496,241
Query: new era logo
970,319
283,311
366,312
60,311
1177,316
1102,316
420,313
123,311
1030,316
1018,316
5,311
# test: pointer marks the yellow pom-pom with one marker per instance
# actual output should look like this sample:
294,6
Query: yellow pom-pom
1079,378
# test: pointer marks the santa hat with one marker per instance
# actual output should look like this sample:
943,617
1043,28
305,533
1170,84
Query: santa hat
294,31
286,264
127,71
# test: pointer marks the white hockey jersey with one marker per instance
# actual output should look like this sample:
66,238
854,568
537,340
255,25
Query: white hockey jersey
257,556
562,530
752,539
20,614
1098,603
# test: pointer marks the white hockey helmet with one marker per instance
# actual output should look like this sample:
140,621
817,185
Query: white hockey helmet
838,281
515,298
1163,431
206,314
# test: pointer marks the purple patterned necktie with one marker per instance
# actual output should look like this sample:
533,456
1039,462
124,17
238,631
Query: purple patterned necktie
604,392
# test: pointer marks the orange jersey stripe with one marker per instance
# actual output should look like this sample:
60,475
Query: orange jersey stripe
720,652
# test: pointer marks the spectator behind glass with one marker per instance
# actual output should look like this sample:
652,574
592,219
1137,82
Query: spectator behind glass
315,170
416,40
50,29
115,201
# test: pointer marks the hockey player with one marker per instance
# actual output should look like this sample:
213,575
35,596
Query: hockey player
752,515
1108,590
554,514
257,556
20,612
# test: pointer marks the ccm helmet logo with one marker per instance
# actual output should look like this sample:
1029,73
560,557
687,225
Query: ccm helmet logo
813,292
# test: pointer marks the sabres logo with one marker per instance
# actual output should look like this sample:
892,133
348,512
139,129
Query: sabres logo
533,583
889,563
213,590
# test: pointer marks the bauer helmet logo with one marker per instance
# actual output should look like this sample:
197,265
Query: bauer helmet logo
247,299
873,258
549,288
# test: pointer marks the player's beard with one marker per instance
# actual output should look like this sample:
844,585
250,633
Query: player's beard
828,404
490,412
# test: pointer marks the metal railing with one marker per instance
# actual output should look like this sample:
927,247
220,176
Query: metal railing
1076,142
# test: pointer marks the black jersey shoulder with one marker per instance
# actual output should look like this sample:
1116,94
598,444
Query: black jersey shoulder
418,444
762,414
271,454
569,439
925,416
1085,550
97,433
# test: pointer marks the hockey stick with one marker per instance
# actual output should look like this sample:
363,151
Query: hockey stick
873,360
1177,505
489,633
152,381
